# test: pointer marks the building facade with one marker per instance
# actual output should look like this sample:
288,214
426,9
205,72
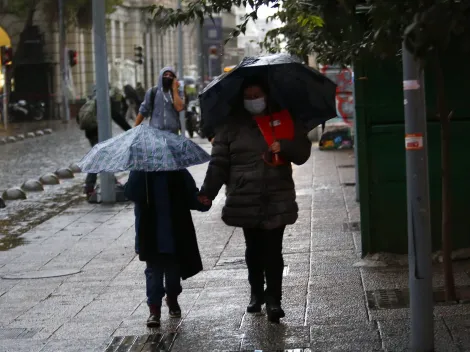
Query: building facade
129,26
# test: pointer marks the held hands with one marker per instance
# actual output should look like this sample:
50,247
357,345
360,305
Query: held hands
275,147
204,200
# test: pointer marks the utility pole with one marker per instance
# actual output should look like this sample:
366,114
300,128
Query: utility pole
419,222
63,62
181,69
108,192
202,61
5,96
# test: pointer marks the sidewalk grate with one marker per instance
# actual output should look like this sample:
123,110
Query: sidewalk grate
144,343
399,298
351,226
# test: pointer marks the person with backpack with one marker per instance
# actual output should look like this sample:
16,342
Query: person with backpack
87,120
163,103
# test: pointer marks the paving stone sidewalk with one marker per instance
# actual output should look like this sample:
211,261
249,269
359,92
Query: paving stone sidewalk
102,306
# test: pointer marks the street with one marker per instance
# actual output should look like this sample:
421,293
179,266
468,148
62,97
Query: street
76,285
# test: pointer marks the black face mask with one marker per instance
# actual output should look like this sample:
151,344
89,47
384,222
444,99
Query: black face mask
167,82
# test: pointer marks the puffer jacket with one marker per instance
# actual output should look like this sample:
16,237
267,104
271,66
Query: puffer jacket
258,195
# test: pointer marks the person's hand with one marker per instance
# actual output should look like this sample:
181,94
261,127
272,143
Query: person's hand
176,84
275,147
204,200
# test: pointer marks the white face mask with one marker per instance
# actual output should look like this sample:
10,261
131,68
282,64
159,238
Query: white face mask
255,106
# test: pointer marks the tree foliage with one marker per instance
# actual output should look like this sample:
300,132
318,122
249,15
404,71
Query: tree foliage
338,30
77,12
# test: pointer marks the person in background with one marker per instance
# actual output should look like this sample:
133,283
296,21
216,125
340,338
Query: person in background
140,91
163,103
260,197
165,235
130,102
92,134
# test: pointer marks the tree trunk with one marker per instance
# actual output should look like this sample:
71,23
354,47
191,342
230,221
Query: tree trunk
445,117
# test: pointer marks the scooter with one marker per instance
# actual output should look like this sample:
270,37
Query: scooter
22,110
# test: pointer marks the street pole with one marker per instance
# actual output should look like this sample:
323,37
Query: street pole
108,193
5,97
419,222
181,69
63,62
202,62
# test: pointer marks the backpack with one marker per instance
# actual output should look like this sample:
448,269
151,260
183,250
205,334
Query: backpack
87,115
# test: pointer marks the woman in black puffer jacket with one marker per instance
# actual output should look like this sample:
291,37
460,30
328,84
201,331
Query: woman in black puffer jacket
260,197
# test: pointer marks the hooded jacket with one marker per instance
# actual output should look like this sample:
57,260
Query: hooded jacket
164,116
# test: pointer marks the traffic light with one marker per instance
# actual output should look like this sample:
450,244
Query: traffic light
139,56
7,55
73,57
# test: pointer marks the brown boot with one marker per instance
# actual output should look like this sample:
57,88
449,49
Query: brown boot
154,319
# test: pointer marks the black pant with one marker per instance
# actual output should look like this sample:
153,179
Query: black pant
264,260
92,136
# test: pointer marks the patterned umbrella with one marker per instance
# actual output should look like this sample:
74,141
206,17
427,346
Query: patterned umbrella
143,148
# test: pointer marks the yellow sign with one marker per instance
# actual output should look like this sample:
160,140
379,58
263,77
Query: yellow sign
4,41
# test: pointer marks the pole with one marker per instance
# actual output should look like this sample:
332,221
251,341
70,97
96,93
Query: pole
5,97
63,62
181,69
201,55
419,223
108,193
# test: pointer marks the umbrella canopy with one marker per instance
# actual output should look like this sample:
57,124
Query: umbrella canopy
143,148
306,93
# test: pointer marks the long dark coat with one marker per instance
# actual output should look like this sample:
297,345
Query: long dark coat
258,195
182,198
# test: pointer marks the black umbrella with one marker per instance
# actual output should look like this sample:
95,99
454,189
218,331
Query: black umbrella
306,93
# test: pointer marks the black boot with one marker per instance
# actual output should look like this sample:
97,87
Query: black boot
274,311
256,301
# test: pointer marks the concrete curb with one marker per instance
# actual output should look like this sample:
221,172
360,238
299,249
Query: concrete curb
22,136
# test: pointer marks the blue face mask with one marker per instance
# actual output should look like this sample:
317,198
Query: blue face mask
255,106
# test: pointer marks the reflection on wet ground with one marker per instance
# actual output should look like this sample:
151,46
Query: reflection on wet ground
145,343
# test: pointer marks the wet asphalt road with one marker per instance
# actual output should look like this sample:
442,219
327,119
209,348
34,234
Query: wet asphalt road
32,158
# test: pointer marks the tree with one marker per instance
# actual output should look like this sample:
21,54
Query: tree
333,30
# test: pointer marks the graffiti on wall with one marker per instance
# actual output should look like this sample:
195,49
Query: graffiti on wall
343,77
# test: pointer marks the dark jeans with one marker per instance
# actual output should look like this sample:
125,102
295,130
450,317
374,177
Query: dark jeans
264,260
162,277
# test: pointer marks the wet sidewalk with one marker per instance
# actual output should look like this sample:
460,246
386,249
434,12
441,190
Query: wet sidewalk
91,294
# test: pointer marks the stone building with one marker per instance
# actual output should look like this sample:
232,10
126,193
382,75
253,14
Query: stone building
129,26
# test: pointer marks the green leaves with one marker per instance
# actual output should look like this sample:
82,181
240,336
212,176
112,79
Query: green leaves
339,30
77,12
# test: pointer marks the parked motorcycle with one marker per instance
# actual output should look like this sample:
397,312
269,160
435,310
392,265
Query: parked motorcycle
23,110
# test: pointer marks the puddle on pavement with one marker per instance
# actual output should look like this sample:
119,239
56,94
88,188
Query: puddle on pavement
14,225
9,242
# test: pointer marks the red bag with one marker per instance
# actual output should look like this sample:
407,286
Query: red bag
278,126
